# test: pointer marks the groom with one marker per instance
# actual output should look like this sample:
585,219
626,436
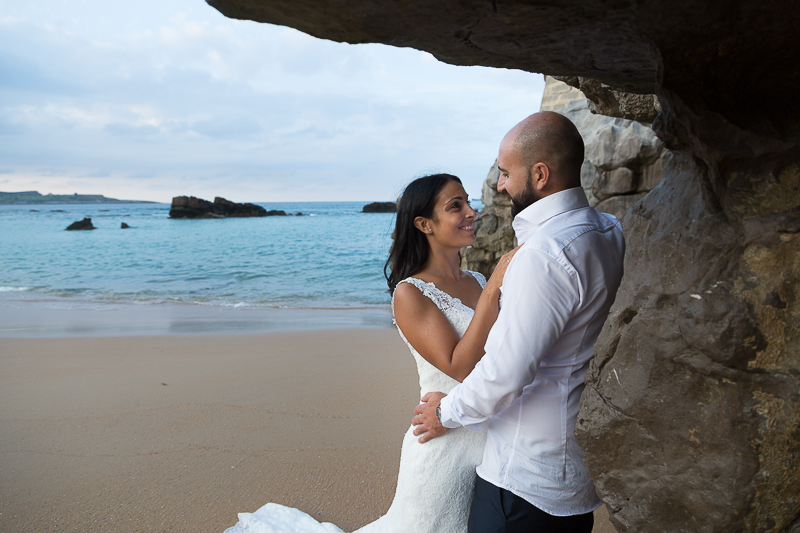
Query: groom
556,294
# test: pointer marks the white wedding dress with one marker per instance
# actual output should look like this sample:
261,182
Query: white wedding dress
436,480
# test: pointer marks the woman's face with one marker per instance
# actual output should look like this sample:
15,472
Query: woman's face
452,221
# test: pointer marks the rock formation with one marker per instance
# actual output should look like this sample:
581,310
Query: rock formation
124,226
624,158
690,418
604,100
191,207
84,224
380,207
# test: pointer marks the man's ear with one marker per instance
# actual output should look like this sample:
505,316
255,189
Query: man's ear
540,175
423,224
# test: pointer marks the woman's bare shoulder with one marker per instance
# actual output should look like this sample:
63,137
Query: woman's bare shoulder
408,294
414,304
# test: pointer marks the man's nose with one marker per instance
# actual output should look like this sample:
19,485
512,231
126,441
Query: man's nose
501,183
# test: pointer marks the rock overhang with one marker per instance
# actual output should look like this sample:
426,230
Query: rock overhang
734,58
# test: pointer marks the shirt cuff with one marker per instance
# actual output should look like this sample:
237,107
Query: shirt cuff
447,416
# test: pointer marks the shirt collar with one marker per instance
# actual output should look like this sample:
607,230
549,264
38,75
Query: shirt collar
529,219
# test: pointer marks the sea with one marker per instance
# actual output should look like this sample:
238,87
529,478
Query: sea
320,267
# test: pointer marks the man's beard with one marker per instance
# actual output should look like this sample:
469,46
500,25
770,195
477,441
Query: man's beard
526,198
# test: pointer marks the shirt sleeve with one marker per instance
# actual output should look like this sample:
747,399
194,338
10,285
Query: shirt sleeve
539,295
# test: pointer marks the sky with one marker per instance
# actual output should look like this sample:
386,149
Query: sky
159,98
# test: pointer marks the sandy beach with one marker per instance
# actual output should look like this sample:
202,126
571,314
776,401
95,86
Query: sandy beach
178,433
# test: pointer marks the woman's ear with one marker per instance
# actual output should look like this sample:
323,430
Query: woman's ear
423,224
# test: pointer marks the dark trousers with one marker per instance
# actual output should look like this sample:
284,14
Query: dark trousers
496,510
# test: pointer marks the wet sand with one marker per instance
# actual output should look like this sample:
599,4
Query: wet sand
179,433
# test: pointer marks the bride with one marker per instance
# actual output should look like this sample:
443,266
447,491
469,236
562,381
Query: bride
444,315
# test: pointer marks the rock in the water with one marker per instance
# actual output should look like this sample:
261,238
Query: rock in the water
380,207
275,213
86,223
124,226
191,207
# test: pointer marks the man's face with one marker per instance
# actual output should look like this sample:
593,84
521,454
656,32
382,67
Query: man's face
515,178
527,197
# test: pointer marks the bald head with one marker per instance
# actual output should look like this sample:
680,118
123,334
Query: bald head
552,139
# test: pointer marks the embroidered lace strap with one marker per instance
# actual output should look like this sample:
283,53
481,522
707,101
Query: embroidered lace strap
442,300
478,276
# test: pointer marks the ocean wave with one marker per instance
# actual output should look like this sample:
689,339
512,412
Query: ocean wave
14,289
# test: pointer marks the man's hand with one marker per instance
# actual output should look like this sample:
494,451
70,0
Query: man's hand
425,418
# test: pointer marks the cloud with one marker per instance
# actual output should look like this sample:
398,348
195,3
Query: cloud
8,127
131,130
101,173
227,127
158,98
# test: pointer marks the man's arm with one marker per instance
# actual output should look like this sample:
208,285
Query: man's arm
539,298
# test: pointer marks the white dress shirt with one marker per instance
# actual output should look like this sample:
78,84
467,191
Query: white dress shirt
556,295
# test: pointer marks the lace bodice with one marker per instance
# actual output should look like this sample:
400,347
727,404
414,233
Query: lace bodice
459,316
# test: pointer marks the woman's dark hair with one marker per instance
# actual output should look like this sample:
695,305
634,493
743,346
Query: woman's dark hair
410,250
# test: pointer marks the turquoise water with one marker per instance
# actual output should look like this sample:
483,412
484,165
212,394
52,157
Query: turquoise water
332,257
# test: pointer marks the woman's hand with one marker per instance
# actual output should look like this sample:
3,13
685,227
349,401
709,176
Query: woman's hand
469,349
496,279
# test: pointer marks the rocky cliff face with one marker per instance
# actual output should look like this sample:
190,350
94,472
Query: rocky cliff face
624,159
691,416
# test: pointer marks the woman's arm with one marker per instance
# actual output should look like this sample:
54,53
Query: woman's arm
432,335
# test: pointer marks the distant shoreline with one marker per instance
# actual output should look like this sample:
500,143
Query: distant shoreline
62,202
35,198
